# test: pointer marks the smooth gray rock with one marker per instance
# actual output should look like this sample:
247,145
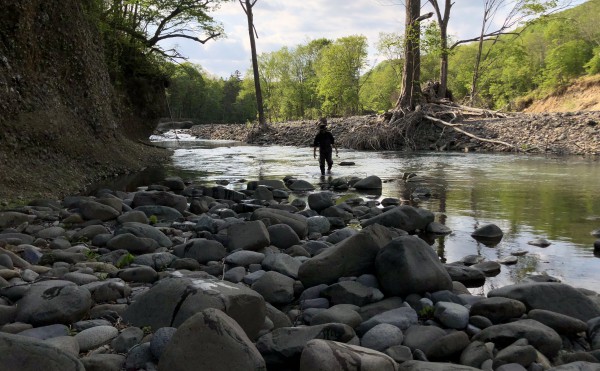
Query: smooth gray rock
46,332
475,354
404,217
127,339
451,315
132,243
65,343
138,274
433,366
337,314
201,249
28,354
555,297
318,224
282,263
53,301
320,201
523,355
351,292
161,198
244,258
274,216
422,337
160,340
542,337
408,265
447,347
282,236
488,232
138,357
352,257
324,355
103,362
284,345
370,182
403,318
235,274
161,214
468,276
173,300
275,287
301,185
9,219
94,337
577,366
92,210
382,337
133,216
561,323
341,235
251,235
210,340
498,309
145,230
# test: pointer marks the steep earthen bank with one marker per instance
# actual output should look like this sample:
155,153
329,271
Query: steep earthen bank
62,122
571,133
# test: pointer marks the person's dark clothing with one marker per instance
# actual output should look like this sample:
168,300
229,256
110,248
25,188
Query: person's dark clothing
324,140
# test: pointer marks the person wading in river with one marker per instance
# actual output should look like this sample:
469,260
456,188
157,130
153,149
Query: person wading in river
324,140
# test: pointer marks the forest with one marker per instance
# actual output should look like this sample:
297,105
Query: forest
325,77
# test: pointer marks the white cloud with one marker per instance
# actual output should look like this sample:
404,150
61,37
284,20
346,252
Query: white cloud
289,23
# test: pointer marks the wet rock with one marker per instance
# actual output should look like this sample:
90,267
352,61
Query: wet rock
404,217
451,315
301,185
488,233
540,242
370,182
320,201
468,276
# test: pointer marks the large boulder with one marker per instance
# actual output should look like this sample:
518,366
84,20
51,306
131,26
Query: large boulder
324,355
173,300
284,345
91,210
404,217
320,201
283,236
351,257
25,353
275,287
408,265
248,236
370,182
274,216
542,337
201,249
210,340
552,296
53,301
498,309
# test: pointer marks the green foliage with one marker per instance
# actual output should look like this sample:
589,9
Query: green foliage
125,260
338,71
91,255
565,62
153,219
592,67
426,313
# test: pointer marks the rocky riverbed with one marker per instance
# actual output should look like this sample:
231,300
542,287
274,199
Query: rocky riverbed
570,133
188,277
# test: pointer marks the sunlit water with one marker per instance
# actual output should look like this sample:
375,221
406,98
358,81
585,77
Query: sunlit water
528,197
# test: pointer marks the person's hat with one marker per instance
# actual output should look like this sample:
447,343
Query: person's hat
322,122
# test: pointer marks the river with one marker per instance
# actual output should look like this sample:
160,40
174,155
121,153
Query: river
528,197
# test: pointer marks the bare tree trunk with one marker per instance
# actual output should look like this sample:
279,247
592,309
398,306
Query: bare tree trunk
478,56
412,58
247,6
443,20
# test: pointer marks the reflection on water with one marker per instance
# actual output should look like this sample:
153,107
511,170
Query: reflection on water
526,196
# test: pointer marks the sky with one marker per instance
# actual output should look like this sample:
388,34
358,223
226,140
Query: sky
290,23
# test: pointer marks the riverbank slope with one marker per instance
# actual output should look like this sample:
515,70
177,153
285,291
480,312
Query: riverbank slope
566,133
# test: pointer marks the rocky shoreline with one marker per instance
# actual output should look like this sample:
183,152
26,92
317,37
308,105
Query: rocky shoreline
570,133
187,277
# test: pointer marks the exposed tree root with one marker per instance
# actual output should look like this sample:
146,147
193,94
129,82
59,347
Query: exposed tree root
443,113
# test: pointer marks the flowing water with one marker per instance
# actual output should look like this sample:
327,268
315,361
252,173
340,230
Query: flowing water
528,197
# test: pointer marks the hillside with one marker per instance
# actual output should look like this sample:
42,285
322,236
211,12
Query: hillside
582,95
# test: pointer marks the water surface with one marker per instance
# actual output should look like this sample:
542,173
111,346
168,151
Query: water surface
528,197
